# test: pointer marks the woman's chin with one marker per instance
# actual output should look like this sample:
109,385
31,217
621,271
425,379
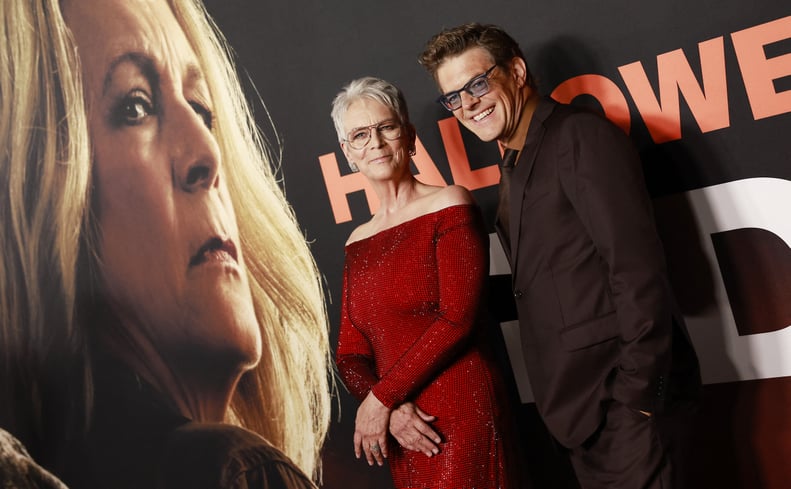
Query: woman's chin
234,330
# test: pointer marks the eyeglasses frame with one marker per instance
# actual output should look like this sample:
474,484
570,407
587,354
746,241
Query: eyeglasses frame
466,88
370,132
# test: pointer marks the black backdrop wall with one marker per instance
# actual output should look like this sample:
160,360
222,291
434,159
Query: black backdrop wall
704,89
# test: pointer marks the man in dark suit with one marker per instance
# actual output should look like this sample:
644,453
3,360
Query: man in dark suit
608,354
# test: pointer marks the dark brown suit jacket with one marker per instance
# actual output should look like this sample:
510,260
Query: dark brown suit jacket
596,312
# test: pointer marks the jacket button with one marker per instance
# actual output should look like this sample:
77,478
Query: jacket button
517,294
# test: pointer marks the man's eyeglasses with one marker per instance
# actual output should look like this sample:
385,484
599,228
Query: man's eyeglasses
476,87
358,138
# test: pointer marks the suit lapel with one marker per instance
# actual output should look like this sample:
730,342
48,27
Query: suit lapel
523,170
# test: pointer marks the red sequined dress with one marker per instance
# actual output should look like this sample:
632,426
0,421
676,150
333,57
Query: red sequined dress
410,331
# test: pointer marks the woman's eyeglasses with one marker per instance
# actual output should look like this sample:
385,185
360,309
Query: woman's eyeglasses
358,138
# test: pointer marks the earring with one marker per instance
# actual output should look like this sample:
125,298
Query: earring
412,151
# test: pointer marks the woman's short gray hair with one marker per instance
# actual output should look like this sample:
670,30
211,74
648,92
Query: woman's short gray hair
368,87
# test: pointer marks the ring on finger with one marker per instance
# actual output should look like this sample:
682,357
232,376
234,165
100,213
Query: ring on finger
375,448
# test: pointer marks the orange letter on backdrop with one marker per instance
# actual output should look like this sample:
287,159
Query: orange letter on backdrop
459,163
604,90
339,186
709,105
759,72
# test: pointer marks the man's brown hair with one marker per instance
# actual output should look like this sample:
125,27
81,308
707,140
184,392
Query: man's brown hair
454,41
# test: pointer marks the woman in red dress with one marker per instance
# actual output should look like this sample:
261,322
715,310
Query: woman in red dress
412,347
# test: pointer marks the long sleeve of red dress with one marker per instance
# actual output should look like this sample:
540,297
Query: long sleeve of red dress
354,355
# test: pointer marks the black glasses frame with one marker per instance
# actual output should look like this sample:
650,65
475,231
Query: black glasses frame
452,100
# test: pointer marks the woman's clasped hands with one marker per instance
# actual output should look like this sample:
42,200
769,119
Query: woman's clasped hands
408,424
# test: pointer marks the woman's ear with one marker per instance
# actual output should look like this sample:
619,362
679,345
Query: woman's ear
352,164
412,137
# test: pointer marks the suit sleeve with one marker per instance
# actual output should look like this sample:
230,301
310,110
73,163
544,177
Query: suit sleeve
602,176
462,268
354,355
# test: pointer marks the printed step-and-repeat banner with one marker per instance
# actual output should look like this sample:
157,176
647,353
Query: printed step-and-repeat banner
703,89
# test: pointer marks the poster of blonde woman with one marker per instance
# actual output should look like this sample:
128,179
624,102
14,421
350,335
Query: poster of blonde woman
163,321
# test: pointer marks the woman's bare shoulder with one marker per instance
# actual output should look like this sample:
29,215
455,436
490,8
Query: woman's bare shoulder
360,232
450,196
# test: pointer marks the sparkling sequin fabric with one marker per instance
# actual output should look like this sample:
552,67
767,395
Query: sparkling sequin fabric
410,332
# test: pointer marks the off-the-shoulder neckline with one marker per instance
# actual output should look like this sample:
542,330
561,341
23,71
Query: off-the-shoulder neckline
409,221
